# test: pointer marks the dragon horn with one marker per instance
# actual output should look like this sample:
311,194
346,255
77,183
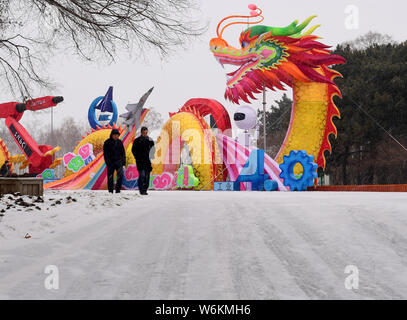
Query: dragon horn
307,33
303,25
310,31
293,29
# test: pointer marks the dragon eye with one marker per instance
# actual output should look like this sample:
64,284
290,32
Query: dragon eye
244,44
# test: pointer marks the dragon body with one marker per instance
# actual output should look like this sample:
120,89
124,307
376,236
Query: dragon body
188,126
274,58
97,137
93,176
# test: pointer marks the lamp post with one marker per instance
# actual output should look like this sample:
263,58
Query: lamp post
52,126
52,132
264,119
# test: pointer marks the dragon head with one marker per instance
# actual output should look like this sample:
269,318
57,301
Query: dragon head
271,57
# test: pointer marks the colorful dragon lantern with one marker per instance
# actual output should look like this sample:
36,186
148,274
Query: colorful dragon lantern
268,58
272,57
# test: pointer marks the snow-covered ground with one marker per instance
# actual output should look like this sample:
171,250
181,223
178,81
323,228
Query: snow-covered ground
205,245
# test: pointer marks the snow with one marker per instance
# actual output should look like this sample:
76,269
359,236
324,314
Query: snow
206,245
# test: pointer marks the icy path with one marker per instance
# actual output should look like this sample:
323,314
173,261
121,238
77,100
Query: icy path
207,245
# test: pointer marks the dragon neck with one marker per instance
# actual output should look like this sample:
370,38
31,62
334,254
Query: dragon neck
308,130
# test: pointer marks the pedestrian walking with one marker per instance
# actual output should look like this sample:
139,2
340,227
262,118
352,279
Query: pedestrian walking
115,159
142,149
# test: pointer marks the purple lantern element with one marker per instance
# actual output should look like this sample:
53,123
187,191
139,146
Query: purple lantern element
106,104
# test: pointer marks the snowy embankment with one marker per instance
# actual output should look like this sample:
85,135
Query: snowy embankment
25,217
200,245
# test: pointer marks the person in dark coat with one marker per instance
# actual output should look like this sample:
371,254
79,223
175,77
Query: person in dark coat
5,169
142,150
115,159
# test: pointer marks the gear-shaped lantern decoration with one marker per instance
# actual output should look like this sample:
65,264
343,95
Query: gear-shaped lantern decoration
309,171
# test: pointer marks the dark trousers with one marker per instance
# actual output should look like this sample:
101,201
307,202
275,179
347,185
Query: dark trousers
143,180
110,173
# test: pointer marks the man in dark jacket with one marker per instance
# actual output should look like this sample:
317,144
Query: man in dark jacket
142,147
5,170
115,158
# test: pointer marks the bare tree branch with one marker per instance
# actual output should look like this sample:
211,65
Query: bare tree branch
93,29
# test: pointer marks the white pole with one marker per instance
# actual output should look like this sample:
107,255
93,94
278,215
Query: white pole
264,119
52,126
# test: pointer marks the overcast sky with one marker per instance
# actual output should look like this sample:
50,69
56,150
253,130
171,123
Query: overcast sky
194,73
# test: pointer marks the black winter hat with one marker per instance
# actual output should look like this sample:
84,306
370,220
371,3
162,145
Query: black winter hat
114,131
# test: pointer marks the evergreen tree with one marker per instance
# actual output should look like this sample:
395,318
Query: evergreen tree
373,116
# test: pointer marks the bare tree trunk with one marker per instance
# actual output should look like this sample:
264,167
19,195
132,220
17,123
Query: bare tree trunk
344,167
95,30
